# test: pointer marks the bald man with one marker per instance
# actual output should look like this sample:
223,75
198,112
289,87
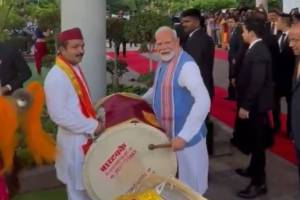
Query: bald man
294,37
181,103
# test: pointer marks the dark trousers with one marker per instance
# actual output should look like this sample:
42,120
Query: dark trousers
231,89
117,46
252,136
298,156
257,167
277,110
260,128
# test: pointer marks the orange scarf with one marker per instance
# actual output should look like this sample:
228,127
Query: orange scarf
78,85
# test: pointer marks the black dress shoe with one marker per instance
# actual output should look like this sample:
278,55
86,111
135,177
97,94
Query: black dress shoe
243,172
253,191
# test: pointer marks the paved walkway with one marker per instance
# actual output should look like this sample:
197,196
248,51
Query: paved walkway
224,183
282,177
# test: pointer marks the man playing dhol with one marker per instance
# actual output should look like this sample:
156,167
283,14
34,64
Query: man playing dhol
181,103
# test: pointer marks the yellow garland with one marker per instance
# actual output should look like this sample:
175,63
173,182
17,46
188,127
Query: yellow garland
145,195
69,73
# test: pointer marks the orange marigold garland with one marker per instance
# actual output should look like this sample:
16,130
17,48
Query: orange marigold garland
8,127
39,143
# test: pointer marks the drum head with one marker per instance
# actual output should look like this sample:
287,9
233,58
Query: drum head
120,159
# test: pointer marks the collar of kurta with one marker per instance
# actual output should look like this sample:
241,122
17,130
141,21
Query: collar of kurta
78,85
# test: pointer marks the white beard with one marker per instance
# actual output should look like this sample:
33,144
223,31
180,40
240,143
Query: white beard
167,57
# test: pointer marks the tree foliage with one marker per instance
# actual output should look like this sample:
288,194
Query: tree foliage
46,13
170,7
13,15
5,10
213,5
141,27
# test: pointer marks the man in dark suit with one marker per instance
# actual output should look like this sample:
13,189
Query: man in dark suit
14,70
199,45
122,39
294,38
272,19
254,100
235,43
271,42
283,71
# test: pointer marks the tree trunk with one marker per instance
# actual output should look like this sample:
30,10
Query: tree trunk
114,77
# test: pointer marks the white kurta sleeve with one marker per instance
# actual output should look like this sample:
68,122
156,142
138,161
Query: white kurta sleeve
57,91
190,78
148,95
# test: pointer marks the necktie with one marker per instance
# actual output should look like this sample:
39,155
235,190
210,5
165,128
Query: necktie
272,27
282,41
298,72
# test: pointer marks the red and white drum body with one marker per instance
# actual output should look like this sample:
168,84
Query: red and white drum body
120,159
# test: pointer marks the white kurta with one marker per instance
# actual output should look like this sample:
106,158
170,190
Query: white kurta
73,127
192,161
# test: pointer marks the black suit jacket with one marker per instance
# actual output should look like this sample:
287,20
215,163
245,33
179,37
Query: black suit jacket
272,44
254,81
295,111
235,51
201,47
13,68
235,42
284,70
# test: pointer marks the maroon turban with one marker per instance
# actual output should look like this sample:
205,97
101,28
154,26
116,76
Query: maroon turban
70,34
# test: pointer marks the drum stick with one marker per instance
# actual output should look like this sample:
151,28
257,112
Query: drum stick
159,146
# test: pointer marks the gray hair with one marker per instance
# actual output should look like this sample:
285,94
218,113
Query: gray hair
167,29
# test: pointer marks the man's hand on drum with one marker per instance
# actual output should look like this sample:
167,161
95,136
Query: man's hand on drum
99,129
178,144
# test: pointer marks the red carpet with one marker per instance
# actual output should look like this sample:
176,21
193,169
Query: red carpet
221,109
135,61
225,111
221,54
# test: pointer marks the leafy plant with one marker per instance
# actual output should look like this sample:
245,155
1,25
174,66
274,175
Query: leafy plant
5,10
48,60
146,79
121,67
125,88
116,68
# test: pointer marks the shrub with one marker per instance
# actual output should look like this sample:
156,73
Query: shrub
123,88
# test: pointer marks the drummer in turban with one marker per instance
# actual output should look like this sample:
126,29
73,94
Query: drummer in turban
181,103
69,106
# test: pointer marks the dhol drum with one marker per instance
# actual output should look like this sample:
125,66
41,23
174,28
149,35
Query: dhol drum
121,107
120,159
